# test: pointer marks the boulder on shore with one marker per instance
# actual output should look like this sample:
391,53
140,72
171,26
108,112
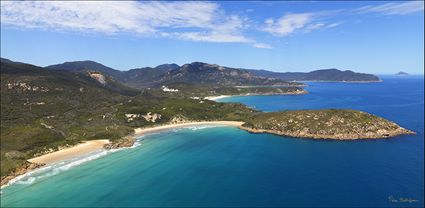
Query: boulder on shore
28,166
127,141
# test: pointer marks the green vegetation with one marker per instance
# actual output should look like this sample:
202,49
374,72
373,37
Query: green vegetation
326,75
197,73
325,124
201,91
42,110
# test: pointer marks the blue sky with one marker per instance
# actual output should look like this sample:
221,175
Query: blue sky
373,37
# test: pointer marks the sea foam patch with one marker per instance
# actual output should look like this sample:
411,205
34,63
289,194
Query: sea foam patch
56,168
200,127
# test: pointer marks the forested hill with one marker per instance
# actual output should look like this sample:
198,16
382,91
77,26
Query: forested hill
193,73
332,75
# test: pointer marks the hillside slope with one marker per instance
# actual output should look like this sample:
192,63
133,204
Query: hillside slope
136,78
325,124
203,73
333,75
193,73
44,109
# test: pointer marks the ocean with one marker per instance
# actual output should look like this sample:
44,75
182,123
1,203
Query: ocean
226,166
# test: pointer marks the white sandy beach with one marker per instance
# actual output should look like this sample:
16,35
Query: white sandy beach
216,97
71,152
140,131
94,145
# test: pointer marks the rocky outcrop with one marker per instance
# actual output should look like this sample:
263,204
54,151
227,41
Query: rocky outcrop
179,119
22,86
98,77
325,124
131,117
152,117
127,141
26,167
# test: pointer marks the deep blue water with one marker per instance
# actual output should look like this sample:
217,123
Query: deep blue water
225,166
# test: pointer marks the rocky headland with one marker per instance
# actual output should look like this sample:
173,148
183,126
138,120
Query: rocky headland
324,124
127,141
28,166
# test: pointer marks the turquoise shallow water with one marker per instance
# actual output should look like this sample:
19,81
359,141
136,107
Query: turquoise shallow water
225,166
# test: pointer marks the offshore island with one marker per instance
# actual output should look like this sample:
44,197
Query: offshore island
56,112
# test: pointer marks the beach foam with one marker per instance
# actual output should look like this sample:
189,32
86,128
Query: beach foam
195,128
61,166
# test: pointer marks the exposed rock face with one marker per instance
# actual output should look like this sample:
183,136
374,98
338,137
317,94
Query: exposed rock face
98,77
22,86
19,171
166,89
179,119
131,117
152,117
325,124
127,141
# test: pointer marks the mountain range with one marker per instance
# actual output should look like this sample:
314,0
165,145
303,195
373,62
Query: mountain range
204,73
43,109
193,73
333,75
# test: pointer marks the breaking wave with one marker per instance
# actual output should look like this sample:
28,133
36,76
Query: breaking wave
56,168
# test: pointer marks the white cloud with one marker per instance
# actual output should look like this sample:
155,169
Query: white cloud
184,20
212,37
314,26
262,45
195,21
76,16
287,24
110,16
220,37
403,8
291,23
333,25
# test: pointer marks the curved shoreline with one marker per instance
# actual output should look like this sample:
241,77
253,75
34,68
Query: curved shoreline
71,152
90,146
141,131
95,145
214,98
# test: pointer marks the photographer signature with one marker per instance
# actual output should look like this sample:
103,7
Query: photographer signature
393,199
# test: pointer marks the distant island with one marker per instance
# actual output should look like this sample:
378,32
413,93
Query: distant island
46,109
324,124
324,75
401,74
